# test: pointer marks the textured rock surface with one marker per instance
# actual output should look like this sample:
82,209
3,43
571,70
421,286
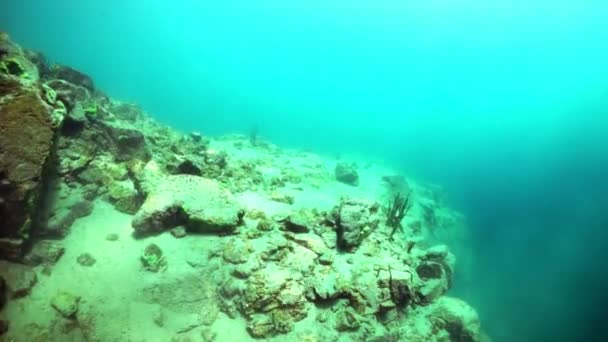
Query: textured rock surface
355,220
198,203
27,130
66,304
284,271
19,278
347,173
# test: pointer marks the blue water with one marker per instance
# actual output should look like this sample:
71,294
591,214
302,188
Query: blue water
505,103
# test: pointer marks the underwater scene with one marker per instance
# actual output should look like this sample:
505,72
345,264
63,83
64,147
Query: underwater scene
303,170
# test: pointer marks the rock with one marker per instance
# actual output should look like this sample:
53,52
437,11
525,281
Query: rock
3,291
429,270
126,111
86,260
73,76
63,207
19,279
74,155
237,251
125,197
66,304
127,141
326,259
399,283
189,166
68,93
311,241
456,317
301,221
265,224
347,319
198,203
112,237
355,220
347,173
152,258
323,287
282,198
261,327
27,130
179,232
208,335
272,301
45,252
103,170
3,327
216,158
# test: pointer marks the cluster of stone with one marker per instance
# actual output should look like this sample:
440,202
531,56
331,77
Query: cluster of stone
282,270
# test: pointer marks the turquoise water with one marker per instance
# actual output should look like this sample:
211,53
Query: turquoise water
503,103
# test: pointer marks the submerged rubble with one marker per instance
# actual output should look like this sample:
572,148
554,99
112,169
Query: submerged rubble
288,268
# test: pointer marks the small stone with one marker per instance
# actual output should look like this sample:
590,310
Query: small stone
347,319
112,237
326,259
86,260
152,258
66,304
196,136
322,317
282,198
256,214
265,224
159,319
208,335
179,232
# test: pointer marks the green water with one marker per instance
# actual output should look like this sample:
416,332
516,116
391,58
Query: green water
504,103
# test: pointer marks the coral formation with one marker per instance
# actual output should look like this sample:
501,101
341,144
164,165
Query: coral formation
257,237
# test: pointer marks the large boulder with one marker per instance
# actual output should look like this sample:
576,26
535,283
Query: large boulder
27,130
199,203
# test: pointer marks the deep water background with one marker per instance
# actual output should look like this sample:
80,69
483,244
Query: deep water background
502,102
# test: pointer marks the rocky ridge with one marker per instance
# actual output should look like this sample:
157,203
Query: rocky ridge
65,145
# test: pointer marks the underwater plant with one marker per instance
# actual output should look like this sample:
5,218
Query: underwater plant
396,211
